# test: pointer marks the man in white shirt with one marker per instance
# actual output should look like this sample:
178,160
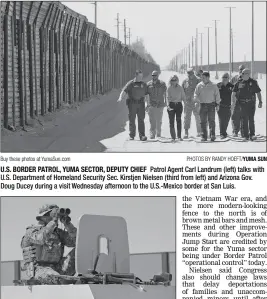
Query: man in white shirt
208,95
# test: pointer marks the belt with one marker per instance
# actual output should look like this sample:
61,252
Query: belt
207,103
137,101
176,103
245,100
45,264
225,106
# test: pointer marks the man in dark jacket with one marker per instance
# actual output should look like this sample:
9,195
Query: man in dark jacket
224,112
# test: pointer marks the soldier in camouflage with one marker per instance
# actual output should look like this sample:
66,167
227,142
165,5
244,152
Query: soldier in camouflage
43,246
189,86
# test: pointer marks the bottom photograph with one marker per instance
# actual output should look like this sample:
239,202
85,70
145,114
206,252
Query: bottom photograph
88,247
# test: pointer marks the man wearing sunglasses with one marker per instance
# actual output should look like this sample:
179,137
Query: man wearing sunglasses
135,92
156,103
43,246
244,93
189,86
224,113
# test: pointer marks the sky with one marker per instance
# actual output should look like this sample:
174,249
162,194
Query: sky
168,27
150,220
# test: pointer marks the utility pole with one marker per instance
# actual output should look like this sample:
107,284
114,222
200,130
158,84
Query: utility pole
192,51
230,40
196,47
129,35
208,47
201,50
124,25
252,42
118,26
189,55
95,4
232,50
216,62
186,66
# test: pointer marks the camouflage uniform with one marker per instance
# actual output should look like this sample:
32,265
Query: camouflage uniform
237,124
43,249
189,86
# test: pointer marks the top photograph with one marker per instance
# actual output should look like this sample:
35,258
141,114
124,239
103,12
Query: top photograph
90,77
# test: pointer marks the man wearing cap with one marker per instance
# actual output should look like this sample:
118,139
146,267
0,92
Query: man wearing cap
43,246
208,95
189,85
135,92
244,93
156,103
224,113
199,74
236,110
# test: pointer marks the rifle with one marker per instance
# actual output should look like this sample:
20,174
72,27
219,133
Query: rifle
116,278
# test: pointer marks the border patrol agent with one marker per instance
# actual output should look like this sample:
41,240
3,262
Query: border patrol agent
135,92
43,247
244,93
224,113
156,103
236,110
189,86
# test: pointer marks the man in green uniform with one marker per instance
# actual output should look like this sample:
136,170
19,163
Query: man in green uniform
156,103
43,246
236,110
189,86
135,92
244,93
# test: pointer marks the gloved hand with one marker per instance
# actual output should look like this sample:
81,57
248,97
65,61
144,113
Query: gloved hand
65,220
260,105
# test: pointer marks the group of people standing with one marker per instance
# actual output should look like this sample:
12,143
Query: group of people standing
196,95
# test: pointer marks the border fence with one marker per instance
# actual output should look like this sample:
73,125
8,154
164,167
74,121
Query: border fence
259,66
51,55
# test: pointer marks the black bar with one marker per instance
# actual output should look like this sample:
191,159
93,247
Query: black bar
6,71
165,262
21,93
29,35
35,72
51,71
13,26
42,70
57,67
45,68
17,271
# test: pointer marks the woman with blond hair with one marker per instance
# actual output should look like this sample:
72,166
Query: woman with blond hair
175,96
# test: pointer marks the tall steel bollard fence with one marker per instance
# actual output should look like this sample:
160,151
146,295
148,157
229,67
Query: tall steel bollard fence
51,55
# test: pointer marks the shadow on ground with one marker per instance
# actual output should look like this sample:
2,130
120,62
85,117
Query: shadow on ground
72,129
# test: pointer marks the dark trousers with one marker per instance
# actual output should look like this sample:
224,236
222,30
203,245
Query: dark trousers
247,115
207,113
237,120
224,115
136,108
177,111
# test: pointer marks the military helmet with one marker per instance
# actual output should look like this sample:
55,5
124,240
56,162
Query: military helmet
45,209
